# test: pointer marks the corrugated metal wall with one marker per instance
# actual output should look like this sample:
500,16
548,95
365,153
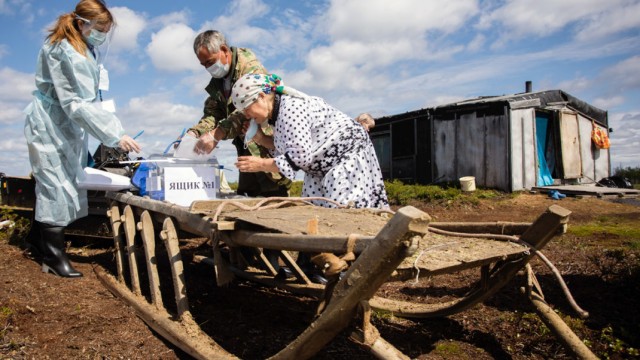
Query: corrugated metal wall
472,143
595,162
524,163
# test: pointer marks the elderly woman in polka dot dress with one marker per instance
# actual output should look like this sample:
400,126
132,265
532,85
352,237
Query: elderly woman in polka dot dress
333,150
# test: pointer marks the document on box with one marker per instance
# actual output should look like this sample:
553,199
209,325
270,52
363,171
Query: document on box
182,185
186,150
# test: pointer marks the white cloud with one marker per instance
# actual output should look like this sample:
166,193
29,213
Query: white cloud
27,14
615,20
544,17
625,74
575,85
21,7
371,21
13,140
157,116
15,85
285,37
235,22
625,139
609,102
180,17
171,48
129,26
15,156
245,36
361,48
477,43
115,63
196,82
11,113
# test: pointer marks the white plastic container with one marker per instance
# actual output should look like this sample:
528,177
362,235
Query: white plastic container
182,181
468,183
95,179
186,150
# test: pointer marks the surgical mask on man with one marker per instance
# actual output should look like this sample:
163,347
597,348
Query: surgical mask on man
95,37
217,70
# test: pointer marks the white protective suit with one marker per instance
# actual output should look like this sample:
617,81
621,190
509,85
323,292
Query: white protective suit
58,119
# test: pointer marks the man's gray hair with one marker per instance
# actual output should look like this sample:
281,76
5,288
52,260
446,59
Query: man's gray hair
211,39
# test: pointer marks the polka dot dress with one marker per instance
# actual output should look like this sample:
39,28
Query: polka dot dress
333,150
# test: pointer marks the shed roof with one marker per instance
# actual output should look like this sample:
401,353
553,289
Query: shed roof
541,99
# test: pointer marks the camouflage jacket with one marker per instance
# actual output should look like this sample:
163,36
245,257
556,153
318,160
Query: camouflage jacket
219,109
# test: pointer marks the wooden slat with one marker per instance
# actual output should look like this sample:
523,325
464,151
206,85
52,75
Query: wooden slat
293,220
438,254
297,242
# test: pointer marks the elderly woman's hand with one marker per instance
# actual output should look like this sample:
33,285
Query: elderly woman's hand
256,164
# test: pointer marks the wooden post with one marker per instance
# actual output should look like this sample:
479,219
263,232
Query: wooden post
145,227
130,232
562,331
372,268
170,238
118,240
184,335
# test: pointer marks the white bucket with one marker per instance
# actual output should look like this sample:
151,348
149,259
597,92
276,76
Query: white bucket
468,183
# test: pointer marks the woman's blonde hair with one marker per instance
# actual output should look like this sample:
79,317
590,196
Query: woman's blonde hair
67,25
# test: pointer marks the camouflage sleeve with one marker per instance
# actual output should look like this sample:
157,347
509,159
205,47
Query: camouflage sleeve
249,63
232,125
211,112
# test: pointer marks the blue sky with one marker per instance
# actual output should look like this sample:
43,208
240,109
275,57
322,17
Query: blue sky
360,55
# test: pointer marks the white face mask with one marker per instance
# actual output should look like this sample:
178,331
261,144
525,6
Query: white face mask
95,37
218,70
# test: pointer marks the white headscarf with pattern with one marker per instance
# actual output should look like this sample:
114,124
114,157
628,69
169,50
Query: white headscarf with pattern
245,91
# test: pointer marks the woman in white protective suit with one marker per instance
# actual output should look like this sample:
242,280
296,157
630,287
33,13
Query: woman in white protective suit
66,109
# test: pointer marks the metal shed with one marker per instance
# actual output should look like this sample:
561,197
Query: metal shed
510,143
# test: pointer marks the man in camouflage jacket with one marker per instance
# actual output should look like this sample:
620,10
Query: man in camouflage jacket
220,114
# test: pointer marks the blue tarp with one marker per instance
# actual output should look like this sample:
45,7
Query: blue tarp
544,175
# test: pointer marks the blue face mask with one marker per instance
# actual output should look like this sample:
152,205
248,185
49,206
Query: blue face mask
251,131
95,37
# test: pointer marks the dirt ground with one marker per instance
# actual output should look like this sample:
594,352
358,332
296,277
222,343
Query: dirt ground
46,317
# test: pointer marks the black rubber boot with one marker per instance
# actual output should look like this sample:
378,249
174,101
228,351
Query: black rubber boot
34,241
55,258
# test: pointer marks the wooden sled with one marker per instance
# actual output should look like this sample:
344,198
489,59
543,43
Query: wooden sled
378,246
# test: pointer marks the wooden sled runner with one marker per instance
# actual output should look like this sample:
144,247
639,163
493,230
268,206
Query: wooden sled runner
253,237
